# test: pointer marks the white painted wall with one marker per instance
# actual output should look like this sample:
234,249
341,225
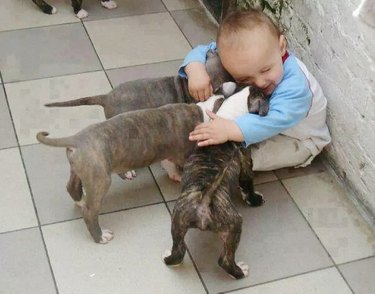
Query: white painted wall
340,52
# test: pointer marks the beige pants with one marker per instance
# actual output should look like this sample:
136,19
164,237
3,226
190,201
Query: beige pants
279,151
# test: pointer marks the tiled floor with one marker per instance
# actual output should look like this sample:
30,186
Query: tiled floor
306,238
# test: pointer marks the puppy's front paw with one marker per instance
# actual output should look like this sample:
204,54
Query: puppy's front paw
244,267
254,200
169,260
82,14
109,4
107,236
129,175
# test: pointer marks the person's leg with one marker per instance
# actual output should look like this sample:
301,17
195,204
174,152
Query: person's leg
278,152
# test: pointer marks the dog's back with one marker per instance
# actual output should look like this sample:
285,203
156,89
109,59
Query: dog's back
207,183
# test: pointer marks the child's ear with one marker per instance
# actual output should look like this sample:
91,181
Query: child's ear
282,44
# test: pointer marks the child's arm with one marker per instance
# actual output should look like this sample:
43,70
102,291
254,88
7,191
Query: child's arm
288,106
194,69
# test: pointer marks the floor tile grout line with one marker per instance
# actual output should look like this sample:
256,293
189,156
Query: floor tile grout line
187,249
82,21
280,279
30,190
316,235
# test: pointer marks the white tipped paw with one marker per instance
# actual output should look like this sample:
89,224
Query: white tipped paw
81,203
109,4
130,174
54,10
175,177
107,236
244,267
82,14
166,254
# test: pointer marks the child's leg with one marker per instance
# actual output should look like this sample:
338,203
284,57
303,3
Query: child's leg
278,152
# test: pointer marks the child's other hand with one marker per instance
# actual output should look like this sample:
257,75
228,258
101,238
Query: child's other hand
199,82
217,131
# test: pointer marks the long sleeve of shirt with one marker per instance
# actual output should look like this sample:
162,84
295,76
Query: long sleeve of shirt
289,104
198,54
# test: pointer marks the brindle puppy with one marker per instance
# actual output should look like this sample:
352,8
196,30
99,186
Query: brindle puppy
77,7
152,92
211,176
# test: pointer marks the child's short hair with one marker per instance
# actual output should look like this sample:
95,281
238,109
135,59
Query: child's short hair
237,21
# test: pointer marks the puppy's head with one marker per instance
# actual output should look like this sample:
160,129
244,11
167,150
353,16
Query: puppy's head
218,75
257,101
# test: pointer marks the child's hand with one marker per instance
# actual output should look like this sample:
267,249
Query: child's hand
199,82
217,131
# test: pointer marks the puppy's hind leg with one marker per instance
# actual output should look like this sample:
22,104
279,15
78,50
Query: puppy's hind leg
231,237
96,186
251,197
178,249
74,188
172,170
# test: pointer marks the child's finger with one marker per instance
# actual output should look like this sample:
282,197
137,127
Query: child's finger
211,114
206,143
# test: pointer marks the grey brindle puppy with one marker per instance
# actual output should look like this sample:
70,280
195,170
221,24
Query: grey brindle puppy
211,176
127,141
151,93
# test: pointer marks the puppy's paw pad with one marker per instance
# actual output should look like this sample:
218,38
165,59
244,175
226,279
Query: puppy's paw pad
107,236
244,267
82,14
109,4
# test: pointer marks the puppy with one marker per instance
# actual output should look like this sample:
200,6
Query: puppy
211,176
77,7
153,92
127,141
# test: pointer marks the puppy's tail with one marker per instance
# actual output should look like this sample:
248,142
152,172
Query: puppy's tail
92,100
57,142
208,194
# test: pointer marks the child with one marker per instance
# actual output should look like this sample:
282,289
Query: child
254,52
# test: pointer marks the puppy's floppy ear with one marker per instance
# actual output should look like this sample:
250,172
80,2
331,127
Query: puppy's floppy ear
217,104
257,102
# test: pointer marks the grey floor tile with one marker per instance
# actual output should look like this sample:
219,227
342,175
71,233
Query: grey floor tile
196,26
21,14
261,177
169,189
181,4
155,70
276,242
48,171
316,166
124,8
333,217
46,52
24,264
130,263
16,206
137,40
27,99
7,136
360,275
326,281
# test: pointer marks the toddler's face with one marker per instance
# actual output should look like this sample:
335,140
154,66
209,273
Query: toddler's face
256,59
